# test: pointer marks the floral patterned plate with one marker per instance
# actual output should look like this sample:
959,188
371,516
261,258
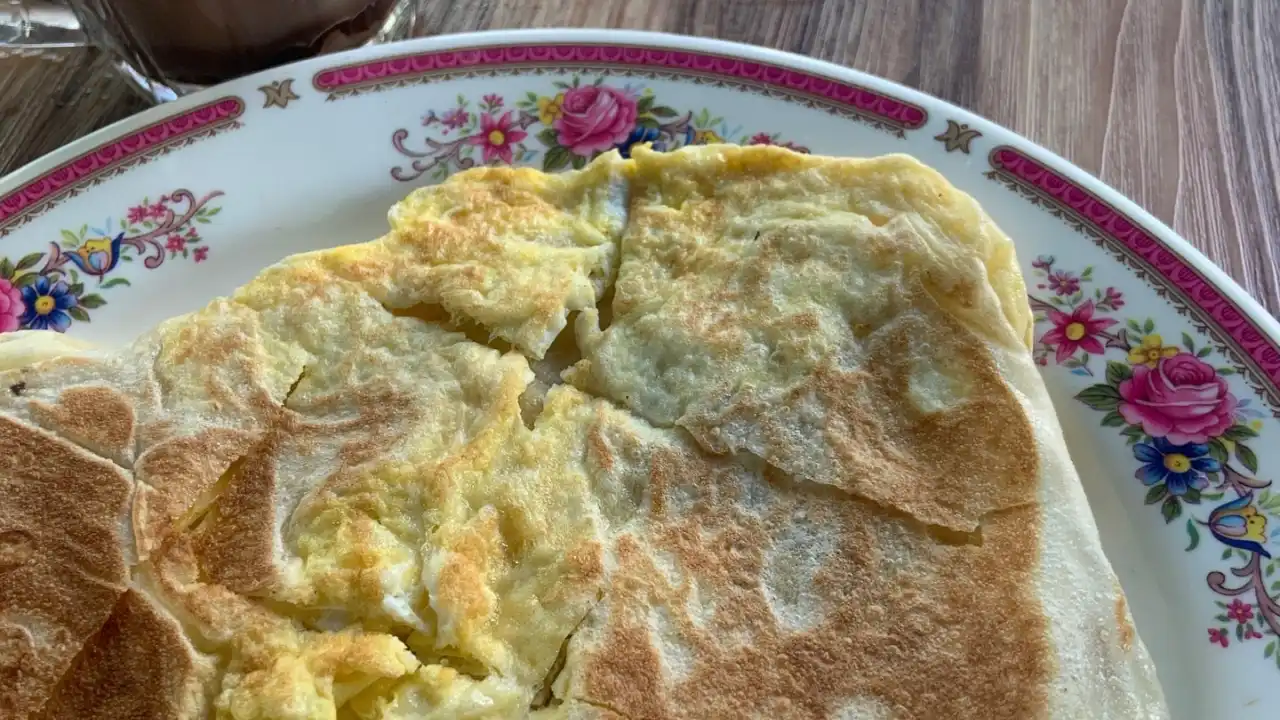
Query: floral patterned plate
1165,374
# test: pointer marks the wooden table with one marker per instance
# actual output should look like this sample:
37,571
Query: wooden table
1174,103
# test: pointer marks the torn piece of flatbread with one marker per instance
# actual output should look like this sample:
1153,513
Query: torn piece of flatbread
848,321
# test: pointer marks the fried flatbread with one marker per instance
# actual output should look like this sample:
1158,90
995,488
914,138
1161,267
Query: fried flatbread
716,433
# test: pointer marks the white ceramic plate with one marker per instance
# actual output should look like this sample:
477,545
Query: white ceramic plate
1155,359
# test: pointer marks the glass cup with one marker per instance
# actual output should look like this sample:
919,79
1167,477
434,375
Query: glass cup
171,47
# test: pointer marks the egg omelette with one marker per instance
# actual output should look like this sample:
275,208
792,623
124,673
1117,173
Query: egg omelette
718,433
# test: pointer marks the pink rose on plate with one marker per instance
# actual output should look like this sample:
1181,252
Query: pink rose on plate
594,118
1182,399
11,306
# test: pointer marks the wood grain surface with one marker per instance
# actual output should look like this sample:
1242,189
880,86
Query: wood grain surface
1174,103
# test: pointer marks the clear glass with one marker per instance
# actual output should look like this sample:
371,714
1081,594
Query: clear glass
171,47
25,24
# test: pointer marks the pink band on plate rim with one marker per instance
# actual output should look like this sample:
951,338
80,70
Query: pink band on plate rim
892,111
73,176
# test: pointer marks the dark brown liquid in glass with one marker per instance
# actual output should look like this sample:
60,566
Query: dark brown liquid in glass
208,41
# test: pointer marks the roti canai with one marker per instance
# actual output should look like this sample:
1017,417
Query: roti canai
724,432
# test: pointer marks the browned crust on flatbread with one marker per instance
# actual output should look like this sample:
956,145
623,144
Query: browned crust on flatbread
1124,628
179,478
235,544
99,419
947,468
61,523
919,628
139,666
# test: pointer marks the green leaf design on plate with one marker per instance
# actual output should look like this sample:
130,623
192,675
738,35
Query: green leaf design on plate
1240,432
1113,419
1247,457
1270,504
115,282
1118,372
1218,451
1133,434
1156,494
1100,397
29,261
1188,343
1193,534
549,137
92,301
79,314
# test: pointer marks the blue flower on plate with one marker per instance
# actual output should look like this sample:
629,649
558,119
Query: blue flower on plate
1179,467
639,135
1239,524
47,304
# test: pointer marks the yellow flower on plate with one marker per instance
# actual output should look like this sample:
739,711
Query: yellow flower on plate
550,108
1150,351
706,137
